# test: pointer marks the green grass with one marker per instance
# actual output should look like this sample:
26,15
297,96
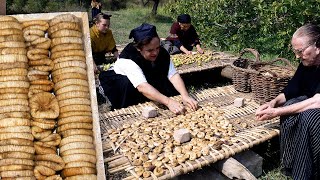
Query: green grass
274,175
123,21
270,152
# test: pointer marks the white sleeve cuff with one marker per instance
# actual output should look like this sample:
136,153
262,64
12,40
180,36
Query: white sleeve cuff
130,69
172,70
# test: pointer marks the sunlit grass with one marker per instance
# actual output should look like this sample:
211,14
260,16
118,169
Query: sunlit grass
123,21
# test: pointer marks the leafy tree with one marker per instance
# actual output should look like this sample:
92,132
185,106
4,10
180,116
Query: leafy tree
266,25
53,6
38,6
35,6
15,7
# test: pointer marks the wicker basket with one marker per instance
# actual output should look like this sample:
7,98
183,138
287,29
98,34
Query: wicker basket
242,70
271,79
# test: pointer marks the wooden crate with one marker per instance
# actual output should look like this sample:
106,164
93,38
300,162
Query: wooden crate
91,80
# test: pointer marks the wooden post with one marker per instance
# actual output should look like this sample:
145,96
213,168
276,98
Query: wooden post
2,7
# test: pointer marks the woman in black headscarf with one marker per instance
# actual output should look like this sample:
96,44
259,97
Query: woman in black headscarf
144,71
183,36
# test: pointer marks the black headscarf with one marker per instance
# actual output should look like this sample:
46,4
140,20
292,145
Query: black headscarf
184,18
145,30
106,16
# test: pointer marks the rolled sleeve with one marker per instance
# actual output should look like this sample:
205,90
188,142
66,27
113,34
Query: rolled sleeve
172,70
130,69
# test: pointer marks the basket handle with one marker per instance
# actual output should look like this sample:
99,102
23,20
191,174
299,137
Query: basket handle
253,51
286,61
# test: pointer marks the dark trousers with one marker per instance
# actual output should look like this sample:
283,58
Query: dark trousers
300,142
94,12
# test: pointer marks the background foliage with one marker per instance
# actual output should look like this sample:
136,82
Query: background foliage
226,25
265,25
38,6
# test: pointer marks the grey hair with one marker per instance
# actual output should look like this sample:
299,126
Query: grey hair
311,31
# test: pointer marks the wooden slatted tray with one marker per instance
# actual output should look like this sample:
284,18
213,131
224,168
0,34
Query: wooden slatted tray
248,132
218,60
220,96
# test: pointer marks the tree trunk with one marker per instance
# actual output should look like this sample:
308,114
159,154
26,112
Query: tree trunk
144,3
155,7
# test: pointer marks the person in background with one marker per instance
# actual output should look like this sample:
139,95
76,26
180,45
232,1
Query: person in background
299,109
95,8
183,36
102,40
144,72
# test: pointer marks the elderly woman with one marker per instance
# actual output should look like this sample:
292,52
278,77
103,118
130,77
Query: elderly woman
298,108
143,72
102,40
183,36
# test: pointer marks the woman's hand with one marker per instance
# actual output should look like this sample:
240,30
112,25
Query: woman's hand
200,51
270,104
190,102
175,107
262,107
188,52
266,110
267,114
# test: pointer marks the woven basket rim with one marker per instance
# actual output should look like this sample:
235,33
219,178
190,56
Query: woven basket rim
244,70
287,66
256,60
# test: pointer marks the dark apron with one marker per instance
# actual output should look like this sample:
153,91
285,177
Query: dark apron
121,92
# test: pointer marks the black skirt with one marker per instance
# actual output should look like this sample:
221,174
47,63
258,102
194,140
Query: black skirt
300,142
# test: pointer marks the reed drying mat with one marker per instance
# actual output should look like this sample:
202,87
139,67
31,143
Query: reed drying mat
198,62
136,147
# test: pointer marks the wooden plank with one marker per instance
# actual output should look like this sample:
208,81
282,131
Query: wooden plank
251,160
233,169
91,80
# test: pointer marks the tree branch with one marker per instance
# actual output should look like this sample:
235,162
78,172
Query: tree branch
145,3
